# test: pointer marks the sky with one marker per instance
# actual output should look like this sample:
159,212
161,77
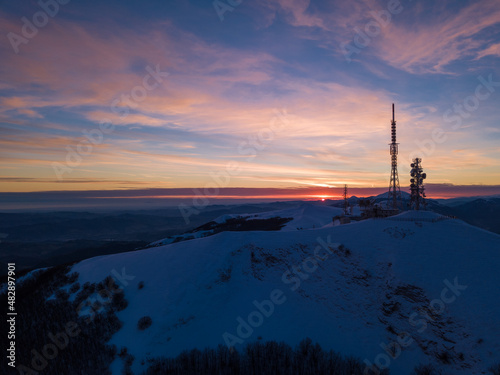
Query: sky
263,94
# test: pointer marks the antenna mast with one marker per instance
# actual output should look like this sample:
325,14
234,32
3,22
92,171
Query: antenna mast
346,202
394,196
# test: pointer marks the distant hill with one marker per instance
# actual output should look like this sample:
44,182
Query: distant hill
481,212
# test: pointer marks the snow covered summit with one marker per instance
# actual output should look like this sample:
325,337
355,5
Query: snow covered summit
395,292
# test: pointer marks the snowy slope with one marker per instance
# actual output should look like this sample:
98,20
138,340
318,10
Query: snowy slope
303,216
354,301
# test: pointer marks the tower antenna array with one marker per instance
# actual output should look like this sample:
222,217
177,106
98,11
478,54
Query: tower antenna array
417,188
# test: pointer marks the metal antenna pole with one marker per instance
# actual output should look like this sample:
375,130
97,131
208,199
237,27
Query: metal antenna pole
394,196
346,202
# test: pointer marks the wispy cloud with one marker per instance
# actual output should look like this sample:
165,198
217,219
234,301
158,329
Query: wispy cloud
418,40
431,46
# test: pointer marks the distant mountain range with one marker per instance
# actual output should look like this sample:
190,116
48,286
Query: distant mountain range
36,240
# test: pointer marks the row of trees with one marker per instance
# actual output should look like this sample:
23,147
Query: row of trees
258,358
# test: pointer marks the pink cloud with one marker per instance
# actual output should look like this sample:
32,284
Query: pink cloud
426,46
493,50
431,46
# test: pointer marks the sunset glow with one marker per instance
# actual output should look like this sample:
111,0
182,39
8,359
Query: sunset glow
275,95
